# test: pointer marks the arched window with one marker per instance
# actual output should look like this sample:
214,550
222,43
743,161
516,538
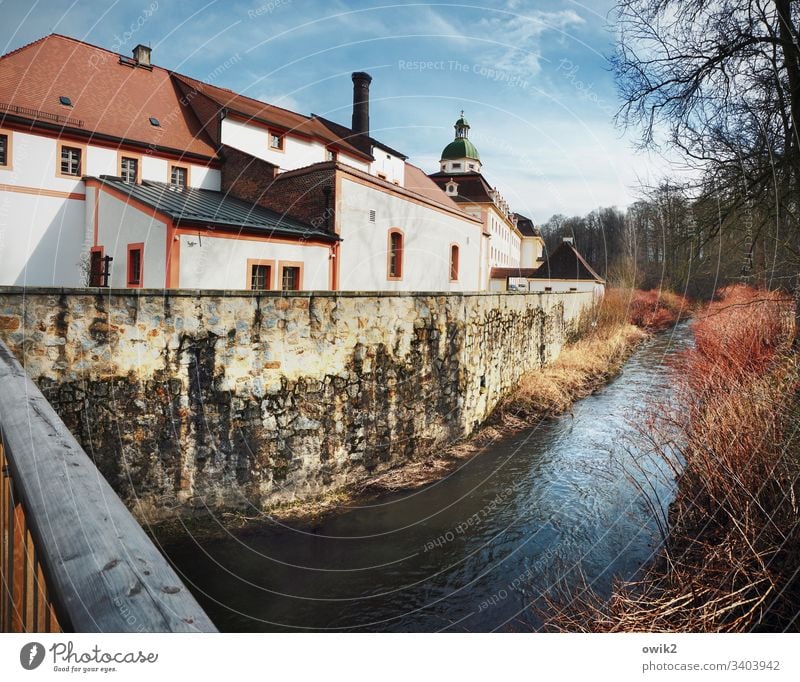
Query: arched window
395,255
453,262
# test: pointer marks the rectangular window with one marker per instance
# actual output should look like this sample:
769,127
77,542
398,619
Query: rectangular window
290,280
70,160
129,169
330,155
135,264
96,267
4,155
178,177
276,141
260,277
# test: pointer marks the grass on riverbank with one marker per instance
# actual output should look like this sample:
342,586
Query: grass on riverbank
733,549
604,338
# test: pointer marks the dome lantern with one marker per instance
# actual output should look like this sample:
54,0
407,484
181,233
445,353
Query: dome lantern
460,156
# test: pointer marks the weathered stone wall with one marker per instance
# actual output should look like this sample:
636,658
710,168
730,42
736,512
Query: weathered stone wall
188,399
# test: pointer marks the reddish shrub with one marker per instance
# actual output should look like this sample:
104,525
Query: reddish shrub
656,310
737,337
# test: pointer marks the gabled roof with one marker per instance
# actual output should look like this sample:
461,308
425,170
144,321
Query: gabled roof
362,142
109,98
472,187
566,263
207,207
253,109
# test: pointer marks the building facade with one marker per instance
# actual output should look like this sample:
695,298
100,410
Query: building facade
504,244
115,171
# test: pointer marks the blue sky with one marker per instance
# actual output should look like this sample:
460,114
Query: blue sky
531,75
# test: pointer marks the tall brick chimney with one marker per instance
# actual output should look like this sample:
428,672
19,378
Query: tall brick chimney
361,83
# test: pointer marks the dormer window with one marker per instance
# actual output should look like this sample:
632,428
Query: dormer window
452,188
66,101
155,122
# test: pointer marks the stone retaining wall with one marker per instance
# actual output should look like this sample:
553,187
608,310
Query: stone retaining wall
217,399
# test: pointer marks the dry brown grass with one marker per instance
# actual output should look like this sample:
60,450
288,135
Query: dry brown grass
602,341
580,369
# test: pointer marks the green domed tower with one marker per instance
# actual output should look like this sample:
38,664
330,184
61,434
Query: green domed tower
460,156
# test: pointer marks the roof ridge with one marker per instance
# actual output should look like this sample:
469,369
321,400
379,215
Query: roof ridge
27,45
237,94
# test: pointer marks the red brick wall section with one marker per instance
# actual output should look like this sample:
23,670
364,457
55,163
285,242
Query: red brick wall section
200,106
299,195
245,176
304,196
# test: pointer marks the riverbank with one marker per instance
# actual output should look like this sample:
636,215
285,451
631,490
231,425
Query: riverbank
730,561
602,341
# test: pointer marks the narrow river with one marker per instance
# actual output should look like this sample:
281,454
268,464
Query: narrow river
473,552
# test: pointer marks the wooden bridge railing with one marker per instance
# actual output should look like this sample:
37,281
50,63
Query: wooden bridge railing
72,557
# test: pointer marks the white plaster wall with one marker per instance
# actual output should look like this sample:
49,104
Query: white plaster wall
254,140
393,167
206,178
447,166
531,251
297,152
41,240
220,263
34,165
100,161
562,285
154,169
121,224
428,236
504,245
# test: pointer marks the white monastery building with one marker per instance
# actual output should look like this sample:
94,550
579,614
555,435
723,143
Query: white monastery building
117,172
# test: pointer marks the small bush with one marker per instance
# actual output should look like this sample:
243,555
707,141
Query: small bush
656,310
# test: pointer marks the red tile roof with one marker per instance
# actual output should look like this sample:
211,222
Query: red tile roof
284,119
505,273
110,98
417,181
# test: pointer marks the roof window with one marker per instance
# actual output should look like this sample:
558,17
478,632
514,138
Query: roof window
154,122
66,101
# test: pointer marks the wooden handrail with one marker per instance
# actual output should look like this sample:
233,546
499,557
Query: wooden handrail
73,557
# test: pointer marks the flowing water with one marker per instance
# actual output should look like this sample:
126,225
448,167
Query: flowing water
472,552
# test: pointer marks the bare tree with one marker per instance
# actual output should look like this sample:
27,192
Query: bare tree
719,80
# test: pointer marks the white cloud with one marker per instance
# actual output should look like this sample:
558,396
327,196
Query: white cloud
519,36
